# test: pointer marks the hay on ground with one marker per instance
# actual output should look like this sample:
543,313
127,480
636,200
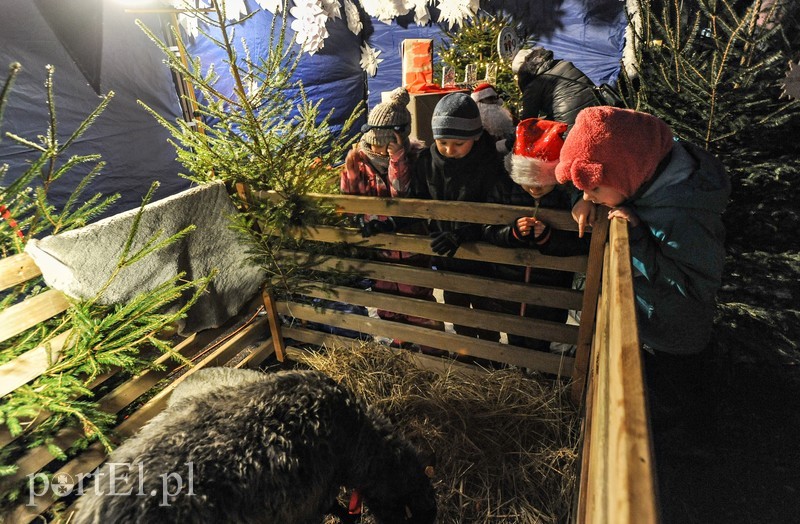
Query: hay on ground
506,444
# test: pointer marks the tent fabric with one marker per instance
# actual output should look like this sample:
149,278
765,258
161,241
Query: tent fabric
590,33
130,140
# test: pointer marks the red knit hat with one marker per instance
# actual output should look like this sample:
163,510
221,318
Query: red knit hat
608,146
483,91
536,148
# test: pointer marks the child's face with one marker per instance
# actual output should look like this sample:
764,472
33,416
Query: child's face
454,148
380,150
538,192
605,195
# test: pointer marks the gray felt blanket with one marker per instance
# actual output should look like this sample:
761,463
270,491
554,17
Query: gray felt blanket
80,262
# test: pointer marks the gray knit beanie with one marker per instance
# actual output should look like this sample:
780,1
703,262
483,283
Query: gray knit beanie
456,116
388,117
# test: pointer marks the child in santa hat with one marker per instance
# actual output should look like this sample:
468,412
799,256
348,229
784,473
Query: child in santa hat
672,194
532,182
497,120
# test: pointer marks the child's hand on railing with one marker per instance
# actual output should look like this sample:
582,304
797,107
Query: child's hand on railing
585,214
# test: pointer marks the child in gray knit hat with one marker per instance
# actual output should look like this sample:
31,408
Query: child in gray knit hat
380,165
462,164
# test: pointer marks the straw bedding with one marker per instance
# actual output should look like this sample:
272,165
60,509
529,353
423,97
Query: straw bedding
505,442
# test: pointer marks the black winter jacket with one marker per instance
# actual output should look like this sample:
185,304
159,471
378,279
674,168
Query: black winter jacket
554,90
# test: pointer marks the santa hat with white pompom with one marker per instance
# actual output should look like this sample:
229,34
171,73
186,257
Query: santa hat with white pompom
536,149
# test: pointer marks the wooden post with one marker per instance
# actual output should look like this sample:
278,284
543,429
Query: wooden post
274,325
591,292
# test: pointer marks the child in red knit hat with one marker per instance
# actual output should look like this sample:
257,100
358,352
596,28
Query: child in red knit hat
672,194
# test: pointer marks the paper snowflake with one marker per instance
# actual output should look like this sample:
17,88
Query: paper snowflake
385,10
370,60
454,12
353,19
422,15
309,25
331,8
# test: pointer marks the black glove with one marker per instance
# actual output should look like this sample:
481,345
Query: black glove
446,243
375,226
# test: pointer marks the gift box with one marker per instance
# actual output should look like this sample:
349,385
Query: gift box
417,63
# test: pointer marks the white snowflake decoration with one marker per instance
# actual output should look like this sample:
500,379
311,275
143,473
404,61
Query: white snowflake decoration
385,10
454,12
353,19
331,8
309,25
370,60
422,15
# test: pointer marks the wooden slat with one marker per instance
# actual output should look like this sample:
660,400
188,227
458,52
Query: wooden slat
467,346
475,212
30,364
480,251
274,324
425,277
589,308
17,269
19,317
529,327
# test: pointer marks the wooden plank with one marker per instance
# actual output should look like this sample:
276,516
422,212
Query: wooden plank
591,291
17,269
19,317
529,327
480,251
31,364
260,353
630,462
461,345
591,443
475,212
425,277
274,324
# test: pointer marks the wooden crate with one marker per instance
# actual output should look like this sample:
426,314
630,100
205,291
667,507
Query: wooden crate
616,479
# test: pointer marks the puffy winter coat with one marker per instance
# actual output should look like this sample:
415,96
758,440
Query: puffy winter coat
554,90
678,250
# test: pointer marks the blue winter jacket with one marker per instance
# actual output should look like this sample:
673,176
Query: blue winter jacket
678,250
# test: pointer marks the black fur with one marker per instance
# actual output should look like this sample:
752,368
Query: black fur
271,450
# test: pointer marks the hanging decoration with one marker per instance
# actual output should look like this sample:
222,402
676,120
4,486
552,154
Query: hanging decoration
353,19
311,18
309,25
455,12
370,60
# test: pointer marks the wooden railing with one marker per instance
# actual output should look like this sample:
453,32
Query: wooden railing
617,477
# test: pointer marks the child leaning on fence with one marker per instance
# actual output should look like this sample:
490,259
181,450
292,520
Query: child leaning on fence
380,165
462,164
532,182
672,194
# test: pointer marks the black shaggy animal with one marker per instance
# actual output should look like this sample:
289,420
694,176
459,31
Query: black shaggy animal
244,447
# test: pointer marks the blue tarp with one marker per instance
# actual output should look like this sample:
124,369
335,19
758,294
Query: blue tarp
587,32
